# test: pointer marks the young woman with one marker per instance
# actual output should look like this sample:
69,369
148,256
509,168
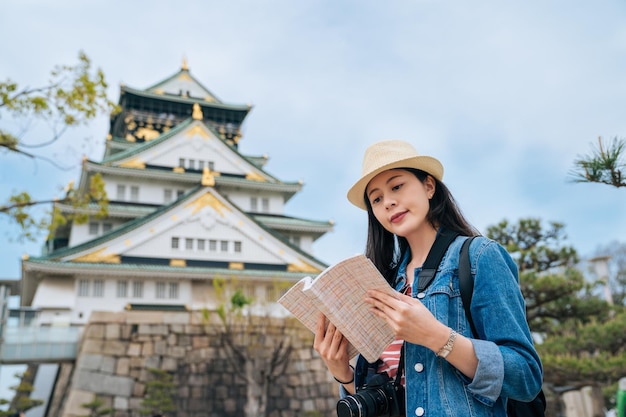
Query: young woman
447,371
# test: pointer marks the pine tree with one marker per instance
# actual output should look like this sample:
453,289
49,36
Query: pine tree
581,337
21,401
160,394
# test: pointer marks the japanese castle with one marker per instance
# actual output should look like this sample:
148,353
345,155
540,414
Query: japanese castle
186,208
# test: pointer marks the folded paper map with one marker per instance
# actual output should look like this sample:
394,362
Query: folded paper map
339,292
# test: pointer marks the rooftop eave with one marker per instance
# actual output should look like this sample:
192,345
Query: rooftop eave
288,188
36,265
182,99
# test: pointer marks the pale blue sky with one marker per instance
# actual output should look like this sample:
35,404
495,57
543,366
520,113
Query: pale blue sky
505,94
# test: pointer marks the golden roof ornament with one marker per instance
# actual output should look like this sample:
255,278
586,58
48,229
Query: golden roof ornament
184,67
208,179
197,112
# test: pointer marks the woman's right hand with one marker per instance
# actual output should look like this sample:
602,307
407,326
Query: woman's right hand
333,349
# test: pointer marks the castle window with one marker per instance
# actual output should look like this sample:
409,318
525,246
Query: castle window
94,228
106,227
211,165
212,245
160,290
137,289
175,242
295,240
237,247
167,196
173,290
179,193
253,204
266,205
192,164
224,246
98,288
188,244
201,244
121,192
181,162
83,288
134,193
200,165
122,289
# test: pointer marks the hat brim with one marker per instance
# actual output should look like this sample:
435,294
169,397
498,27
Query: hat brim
428,164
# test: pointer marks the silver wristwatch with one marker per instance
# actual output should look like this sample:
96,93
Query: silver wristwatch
447,348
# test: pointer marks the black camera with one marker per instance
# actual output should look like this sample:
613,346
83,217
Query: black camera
381,397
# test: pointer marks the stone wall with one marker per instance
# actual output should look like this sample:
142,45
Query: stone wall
118,349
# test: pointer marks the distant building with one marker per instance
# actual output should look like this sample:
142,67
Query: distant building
186,208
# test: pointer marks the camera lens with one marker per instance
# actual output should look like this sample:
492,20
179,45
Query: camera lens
367,403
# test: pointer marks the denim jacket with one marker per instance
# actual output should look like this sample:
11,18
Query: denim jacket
508,364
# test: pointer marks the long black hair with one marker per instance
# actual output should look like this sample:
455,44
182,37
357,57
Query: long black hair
385,249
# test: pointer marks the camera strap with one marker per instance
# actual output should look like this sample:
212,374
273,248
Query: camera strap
439,248
426,275
396,383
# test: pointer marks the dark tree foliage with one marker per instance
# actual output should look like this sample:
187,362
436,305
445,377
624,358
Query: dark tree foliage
581,338
604,165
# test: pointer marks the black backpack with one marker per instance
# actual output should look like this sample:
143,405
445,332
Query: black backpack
534,408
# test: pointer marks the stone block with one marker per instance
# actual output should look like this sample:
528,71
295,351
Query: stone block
177,352
169,364
139,389
176,317
123,366
153,361
108,365
92,346
126,330
199,342
120,403
134,349
160,347
184,339
114,347
308,405
142,317
94,331
153,329
194,329
145,338
112,331
104,384
107,317
177,328
147,349
137,362
135,403
89,361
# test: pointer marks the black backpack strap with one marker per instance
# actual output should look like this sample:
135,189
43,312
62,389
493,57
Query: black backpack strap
466,281
435,255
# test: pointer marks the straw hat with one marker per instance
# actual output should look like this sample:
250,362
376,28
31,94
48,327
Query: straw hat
390,154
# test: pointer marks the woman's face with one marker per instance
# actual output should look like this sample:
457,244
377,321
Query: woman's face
400,201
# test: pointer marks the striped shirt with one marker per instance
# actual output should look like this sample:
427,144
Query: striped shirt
391,356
